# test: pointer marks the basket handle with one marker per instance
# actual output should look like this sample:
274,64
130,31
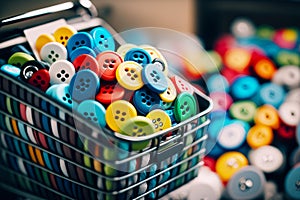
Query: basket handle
85,4
168,152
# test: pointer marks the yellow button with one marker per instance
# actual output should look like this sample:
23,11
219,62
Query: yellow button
259,135
229,163
118,112
160,119
267,115
170,94
63,34
129,75
237,59
42,40
289,35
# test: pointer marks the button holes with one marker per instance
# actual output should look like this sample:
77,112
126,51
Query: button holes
67,75
81,80
140,61
58,75
161,124
181,107
183,112
43,82
132,70
144,134
122,119
155,80
104,66
126,69
292,114
64,99
77,87
153,121
142,56
70,101
88,80
82,84
132,78
110,92
82,42
118,111
52,52
38,77
143,100
133,133
156,126
111,66
135,127
140,130
185,103
147,97
154,72
92,114
152,75
152,99
66,38
135,76
186,88
124,113
63,79
245,86
113,61
128,74
62,71
101,36
61,37
89,118
77,43
87,85
187,109
158,119
35,81
49,56
105,46
53,60
82,89
63,43
143,94
116,117
95,119
100,42
106,61
104,92
135,56
56,55
168,92
73,48
87,63
148,103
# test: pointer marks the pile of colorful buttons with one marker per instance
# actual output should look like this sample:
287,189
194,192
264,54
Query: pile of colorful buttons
256,115
124,88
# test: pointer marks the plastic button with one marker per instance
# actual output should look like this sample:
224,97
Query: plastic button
287,57
84,85
292,183
42,40
122,50
154,78
79,39
170,94
138,55
293,95
221,101
29,68
93,111
53,51
108,62
110,92
288,76
10,69
40,79
145,101
80,51
63,34
19,58
259,135
289,113
243,110
160,119
103,40
229,163
86,61
244,87
61,93
185,106
182,85
267,115
129,75
237,59
61,71
264,69
270,93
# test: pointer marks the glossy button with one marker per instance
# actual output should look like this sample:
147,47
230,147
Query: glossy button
80,51
108,62
61,71
42,40
19,58
160,119
144,100
170,94
289,113
270,93
288,76
52,52
267,158
182,85
185,106
10,69
138,55
40,79
79,39
237,59
61,93
84,85
259,135
292,183
287,57
248,183
63,34
118,112
267,115
264,69
86,61
122,49
129,75
93,111
103,40
243,110
229,163
29,68
244,87
154,78
110,92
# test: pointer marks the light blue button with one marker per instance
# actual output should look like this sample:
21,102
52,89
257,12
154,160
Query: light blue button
270,93
103,40
93,112
11,70
80,51
217,83
244,87
154,78
80,39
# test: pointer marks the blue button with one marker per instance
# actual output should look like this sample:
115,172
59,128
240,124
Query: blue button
84,85
244,87
217,83
78,40
170,112
62,94
291,183
11,70
80,51
165,105
138,55
154,78
93,111
103,40
144,100
270,93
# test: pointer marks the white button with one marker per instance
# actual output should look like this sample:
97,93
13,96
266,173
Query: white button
61,71
288,76
293,95
53,51
289,113
232,136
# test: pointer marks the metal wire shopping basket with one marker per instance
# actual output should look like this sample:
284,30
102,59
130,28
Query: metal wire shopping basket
50,152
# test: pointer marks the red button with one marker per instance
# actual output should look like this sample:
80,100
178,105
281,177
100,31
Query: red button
86,61
210,162
108,62
110,92
286,132
182,85
40,79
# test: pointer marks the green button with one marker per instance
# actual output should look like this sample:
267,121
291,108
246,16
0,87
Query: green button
19,58
243,110
185,106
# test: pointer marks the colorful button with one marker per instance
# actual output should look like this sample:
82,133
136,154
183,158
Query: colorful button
289,113
122,50
270,93
259,135
244,87
267,158
292,183
42,40
145,101
79,39
84,85
288,76
287,57
108,62
93,111
19,58
63,34
229,163
110,92
160,119
185,106
138,55
286,132
237,59
86,61
267,115
40,79
53,51
221,101
61,94
217,83
11,70
103,40
182,85
129,75
154,78
80,51
293,95
170,94
264,69
61,71
29,68
248,183
243,110
118,112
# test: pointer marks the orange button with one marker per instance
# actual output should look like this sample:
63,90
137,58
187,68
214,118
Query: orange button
265,69
237,59
267,115
259,135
